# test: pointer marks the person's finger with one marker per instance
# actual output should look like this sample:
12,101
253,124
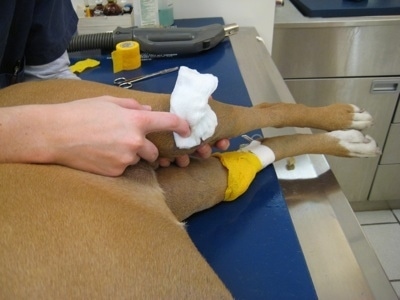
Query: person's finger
204,151
183,161
222,144
148,151
164,162
163,121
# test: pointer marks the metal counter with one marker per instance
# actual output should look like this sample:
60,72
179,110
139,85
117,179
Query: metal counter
328,60
341,262
335,47
288,15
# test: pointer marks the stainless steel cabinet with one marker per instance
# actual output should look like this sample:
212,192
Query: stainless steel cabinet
391,153
386,184
351,60
333,50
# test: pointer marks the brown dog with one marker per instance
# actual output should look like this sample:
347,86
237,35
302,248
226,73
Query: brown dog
70,234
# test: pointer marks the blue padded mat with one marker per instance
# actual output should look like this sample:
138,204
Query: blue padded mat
347,8
251,242
252,245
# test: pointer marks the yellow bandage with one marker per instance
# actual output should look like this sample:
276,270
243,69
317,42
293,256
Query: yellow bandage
126,56
82,65
242,168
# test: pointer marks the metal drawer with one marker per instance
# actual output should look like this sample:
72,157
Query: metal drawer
342,51
391,152
386,184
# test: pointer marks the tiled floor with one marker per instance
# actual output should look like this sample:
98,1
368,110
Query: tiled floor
382,229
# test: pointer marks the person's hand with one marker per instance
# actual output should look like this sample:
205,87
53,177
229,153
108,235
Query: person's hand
115,134
101,135
203,151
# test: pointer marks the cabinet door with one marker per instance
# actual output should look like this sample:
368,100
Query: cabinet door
355,175
391,153
396,118
386,185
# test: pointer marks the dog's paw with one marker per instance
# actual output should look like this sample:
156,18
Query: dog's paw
361,119
356,143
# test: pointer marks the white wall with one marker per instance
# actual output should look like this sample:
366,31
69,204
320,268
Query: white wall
257,13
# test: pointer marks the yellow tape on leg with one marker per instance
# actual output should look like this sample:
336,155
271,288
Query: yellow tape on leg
242,168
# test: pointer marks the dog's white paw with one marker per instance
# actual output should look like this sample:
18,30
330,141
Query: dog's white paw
358,144
361,119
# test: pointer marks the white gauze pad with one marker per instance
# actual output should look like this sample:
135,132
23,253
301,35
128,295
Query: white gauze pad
189,100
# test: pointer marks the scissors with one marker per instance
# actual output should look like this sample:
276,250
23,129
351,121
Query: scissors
127,83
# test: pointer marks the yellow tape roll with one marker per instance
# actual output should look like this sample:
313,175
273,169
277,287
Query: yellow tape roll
126,56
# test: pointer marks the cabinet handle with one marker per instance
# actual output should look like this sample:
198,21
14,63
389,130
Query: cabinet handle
385,86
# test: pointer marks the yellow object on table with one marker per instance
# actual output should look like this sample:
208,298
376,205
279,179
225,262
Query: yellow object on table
126,56
82,65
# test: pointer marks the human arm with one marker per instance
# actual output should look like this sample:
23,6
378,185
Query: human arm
56,69
100,135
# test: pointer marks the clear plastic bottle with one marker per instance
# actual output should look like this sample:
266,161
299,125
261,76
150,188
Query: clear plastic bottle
166,12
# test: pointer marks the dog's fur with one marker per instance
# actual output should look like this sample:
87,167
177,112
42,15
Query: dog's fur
70,234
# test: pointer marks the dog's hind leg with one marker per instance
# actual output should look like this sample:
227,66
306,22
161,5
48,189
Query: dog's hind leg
67,234
345,143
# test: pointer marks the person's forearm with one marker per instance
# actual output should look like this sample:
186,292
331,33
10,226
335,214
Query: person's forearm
101,135
23,134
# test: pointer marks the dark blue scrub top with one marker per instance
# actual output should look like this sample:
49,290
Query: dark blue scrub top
33,32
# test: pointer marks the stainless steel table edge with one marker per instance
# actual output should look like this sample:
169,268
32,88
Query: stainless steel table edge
341,261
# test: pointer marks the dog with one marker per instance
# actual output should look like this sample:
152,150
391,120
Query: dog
69,234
